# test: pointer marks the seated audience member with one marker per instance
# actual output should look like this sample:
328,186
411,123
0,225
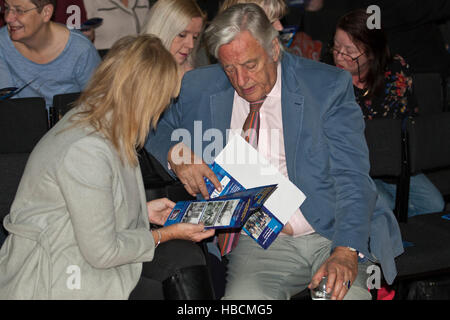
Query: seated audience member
81,201
66,14
43,57
62,14
321,149
383,88
412,30
305,41
120,18
274,9
179,24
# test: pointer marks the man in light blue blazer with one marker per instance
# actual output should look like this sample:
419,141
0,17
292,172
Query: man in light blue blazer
341,226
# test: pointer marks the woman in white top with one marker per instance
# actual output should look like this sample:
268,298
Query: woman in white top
120,18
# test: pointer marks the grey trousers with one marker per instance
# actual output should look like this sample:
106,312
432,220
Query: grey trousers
283,270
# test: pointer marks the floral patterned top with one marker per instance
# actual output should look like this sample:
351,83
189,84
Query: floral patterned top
397,100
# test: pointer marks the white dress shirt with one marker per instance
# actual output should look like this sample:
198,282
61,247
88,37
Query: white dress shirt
271,140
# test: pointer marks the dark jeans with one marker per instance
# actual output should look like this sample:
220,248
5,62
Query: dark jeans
169,257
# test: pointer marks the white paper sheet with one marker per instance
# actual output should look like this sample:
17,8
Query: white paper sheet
251,169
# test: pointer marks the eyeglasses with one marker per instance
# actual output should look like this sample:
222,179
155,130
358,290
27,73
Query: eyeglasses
16,12
346,56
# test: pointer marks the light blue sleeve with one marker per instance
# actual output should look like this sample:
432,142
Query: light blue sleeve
5,75
159,140
88,62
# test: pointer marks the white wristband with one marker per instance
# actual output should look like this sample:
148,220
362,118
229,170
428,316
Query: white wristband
159,238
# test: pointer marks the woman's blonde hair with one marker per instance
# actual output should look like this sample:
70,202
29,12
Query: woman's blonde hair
274,9
129,91
169,18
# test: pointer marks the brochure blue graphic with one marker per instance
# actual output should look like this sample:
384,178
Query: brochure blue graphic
262,226
229,211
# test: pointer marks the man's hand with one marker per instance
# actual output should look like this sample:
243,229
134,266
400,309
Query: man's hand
191,169
340,267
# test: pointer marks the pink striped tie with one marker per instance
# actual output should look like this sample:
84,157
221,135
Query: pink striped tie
227,241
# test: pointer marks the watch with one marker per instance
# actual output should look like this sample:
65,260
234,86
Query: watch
353,250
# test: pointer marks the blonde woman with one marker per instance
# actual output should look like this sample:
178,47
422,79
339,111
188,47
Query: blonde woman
274,9
179,24
79,225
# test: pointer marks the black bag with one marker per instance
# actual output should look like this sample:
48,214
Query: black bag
158,182
435,288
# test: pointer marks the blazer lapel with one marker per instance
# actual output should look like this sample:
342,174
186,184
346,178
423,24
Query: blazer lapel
292,112
221,107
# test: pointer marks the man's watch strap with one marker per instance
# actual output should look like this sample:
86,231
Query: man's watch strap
353,250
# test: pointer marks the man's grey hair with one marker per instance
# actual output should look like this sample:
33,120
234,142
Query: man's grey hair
236,19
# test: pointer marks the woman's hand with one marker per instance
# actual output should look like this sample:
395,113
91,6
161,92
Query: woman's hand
191,232
159,210
183,231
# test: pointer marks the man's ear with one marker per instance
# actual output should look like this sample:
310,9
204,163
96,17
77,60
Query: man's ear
47,12
276,49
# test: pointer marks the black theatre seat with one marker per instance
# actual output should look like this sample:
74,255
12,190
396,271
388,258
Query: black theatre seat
426,238
22,124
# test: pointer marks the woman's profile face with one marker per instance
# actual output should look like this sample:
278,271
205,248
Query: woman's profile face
347,55
183,43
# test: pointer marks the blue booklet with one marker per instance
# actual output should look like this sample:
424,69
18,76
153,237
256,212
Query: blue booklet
263,226
230,211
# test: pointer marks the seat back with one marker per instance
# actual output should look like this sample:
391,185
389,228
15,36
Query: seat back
426,239
22,124
429,142
11,169
389,158
428,88
61,104
153,173
158,182
384,140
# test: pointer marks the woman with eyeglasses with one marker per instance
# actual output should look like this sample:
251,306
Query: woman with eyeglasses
42,57
383,89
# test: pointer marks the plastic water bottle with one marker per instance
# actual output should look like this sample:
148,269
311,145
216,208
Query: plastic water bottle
320,292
